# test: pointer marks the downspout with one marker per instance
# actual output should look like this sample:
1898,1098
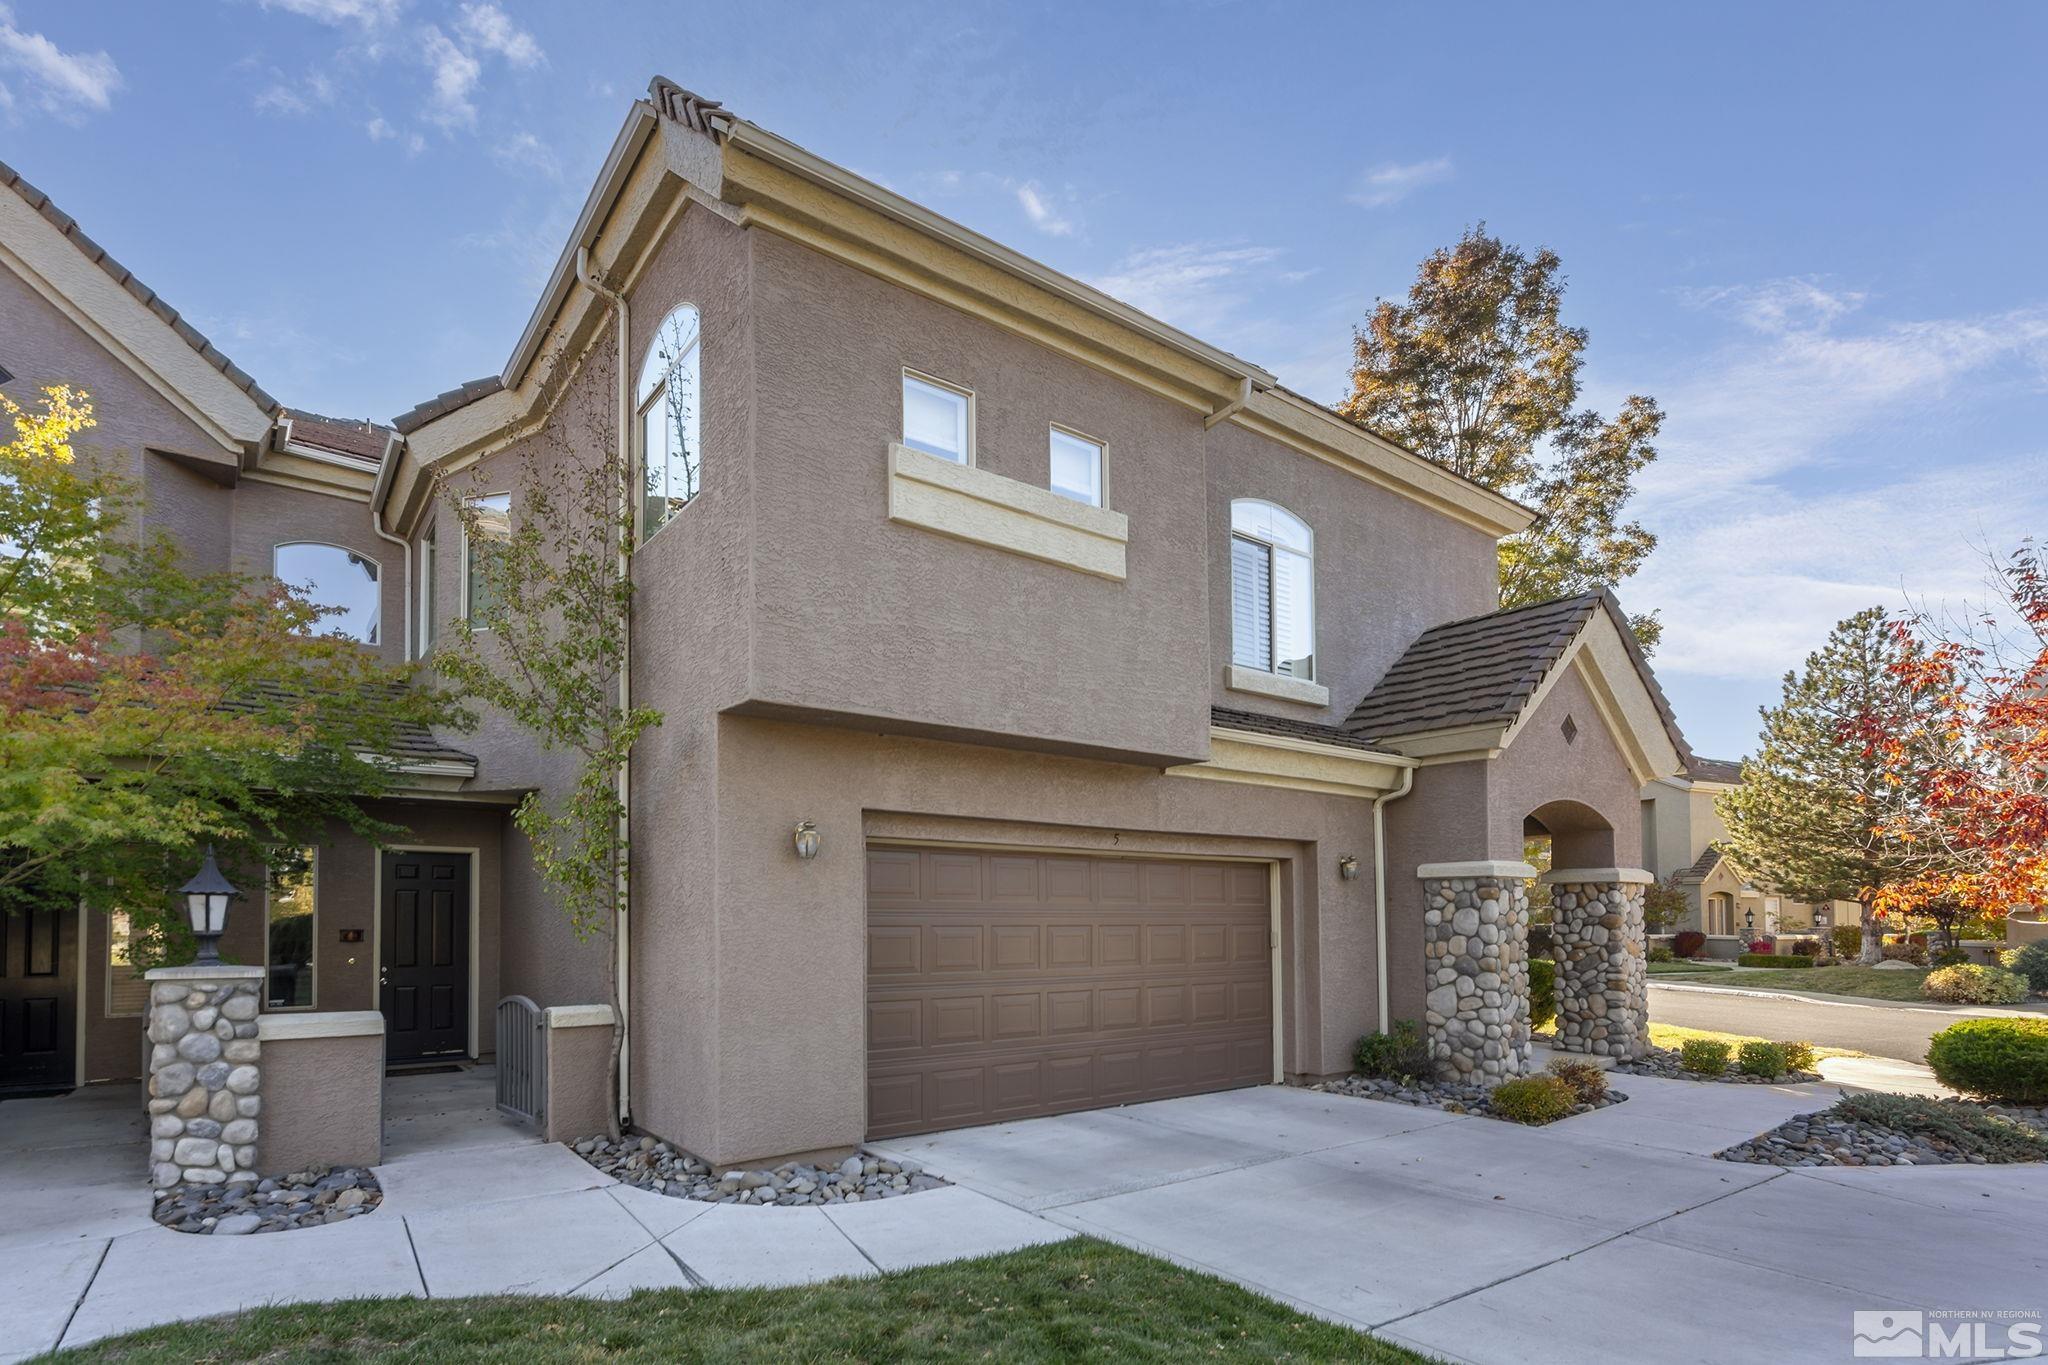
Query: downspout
624,779
1379,874
384,469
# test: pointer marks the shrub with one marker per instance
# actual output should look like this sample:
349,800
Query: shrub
1533,1099
1707,1056
1688,943
1994,1059
1965,1127
1848,940
1772,960
1762,945
1762,1059
2031,963
1662,954
1948,957
1588,1082
1807,947
1542,991
1799,1057
1970,985
1399,1054
1914,953
1917,940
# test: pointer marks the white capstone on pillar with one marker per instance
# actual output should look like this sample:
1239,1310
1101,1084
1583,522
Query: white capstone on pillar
1603,973
205,1074
1476,952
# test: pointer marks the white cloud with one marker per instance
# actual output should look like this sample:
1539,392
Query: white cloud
456,76
489,28
289,97
381,131
366,14
1039,209
525,152
66,84
1791,304
1392,182
1195,286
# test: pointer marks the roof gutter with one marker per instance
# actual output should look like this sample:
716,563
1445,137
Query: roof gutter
393,444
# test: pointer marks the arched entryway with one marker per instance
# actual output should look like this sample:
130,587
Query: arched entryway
1596,931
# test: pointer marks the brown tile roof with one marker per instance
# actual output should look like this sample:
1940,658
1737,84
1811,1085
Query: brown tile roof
1286,727
410,742
1485,669
442,404
356,436
688,108
1714,769
1706,863
125,277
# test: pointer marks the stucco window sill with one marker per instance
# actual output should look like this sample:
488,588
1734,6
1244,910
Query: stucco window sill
1276,685
974,505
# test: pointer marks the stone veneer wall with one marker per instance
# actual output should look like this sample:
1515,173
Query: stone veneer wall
1476,953
1603,997
205,1074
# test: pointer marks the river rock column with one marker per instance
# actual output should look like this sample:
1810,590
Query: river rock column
1603,997
1476,955
205,1074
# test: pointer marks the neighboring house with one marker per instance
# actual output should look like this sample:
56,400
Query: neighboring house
1131,695
1684,842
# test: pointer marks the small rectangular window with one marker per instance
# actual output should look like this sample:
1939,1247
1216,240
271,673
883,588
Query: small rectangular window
494,525
938,419
1076,467
127,990
292,919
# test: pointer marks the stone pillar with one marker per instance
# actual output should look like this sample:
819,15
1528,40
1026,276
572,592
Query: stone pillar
1603,996
205,1074
1476,953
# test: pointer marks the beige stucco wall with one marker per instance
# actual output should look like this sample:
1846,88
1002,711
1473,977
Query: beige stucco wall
579,1088
323,1103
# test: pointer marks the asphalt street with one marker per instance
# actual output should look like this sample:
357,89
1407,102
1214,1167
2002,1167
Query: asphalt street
1882,1030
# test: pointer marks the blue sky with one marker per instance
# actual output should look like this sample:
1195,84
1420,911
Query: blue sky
1812,232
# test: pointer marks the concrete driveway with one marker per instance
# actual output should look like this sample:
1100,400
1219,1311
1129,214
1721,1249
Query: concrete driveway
1608,1237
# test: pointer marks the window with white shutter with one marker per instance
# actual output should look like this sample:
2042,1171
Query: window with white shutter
1272,590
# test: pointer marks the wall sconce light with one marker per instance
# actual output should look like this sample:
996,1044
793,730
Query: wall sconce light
1347,868
806,839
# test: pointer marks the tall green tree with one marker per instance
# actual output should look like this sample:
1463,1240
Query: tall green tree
145,711
1811,818
1477,371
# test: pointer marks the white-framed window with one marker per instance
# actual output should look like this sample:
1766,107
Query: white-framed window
938,418
335,577
428,563
292,922
1077,466
493,525
127,990
670,398
1272,590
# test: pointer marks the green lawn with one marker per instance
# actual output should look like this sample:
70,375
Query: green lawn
1076,1300
1868,982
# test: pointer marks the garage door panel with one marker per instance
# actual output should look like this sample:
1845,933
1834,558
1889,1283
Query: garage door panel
1006,985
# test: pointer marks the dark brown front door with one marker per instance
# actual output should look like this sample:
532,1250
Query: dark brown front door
1005,985
38,999
425,972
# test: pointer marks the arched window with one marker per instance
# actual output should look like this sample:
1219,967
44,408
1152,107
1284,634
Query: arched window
671,388
1721,915
1272,590
330,576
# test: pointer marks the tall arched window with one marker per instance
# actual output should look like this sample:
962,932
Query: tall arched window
1720,915
671,388
1272,590
334,577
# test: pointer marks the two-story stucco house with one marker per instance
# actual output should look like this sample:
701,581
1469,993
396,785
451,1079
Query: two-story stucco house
1151,729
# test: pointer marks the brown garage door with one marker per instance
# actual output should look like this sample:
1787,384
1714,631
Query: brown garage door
1004,985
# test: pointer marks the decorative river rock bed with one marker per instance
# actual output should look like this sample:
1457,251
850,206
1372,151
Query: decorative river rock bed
1448,1096
1662,1062
666,1169
1825,1140
304,1199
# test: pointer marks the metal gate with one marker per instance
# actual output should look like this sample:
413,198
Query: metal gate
522,1060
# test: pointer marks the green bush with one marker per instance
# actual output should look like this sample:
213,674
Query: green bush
1533,1099
1542,992
1807,947
1799,1057
1915,953
1400,1054
1773,960
1662,954
1968,985
2031,963
1994,1059
1588,1082
1706,1056
1762,1059
1948,957
1848,940
1965,1127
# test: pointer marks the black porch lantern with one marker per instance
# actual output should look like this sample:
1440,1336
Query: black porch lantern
1749,919
206,906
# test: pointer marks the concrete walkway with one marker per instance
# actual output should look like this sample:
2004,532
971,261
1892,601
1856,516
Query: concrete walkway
1609,1237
